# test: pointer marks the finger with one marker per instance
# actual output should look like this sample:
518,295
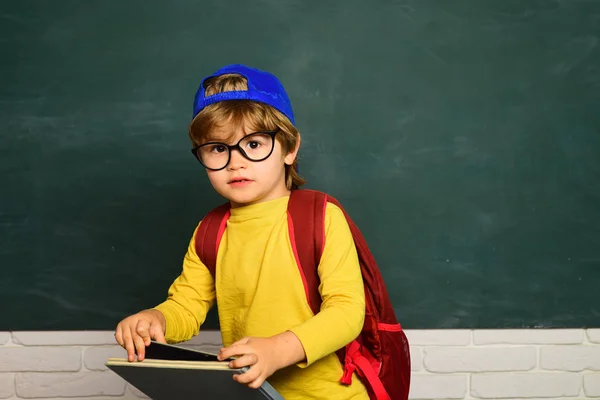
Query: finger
143,330
242,341
156,332
244,361
140,347
256,383
249,376
119,335
234,350
128,344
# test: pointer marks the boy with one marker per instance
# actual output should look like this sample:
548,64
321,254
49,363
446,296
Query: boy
244,136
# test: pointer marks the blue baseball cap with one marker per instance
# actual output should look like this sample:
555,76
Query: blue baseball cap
262,87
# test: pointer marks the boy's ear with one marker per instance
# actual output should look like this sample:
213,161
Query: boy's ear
291,156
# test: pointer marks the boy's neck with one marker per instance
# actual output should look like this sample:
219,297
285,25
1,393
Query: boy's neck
286,193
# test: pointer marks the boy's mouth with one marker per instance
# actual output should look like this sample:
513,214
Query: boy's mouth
239,182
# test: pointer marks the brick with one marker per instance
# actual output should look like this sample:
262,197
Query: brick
24,359
70,338
439,337
209,337
95,357
7,385
4,337
591,385
570,358
206,341
206,348
593,335
135,392
528,336
416,359
525,385
438,386
473,359
126,396
61,384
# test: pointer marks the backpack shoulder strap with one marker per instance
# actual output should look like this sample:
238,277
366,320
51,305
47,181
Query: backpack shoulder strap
209,234
306,225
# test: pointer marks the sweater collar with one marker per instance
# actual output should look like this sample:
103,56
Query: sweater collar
265,209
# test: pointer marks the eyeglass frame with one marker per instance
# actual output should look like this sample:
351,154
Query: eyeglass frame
237,147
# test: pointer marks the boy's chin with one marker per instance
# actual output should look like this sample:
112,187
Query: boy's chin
239,198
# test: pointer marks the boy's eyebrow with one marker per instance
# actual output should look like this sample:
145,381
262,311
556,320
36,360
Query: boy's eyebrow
220,139
223,137
229,137
212,139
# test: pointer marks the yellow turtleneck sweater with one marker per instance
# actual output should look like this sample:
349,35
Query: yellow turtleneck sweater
260,293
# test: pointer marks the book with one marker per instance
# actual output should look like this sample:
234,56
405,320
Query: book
170,372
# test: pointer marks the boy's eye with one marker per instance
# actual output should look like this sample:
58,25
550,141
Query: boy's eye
253,144
218,148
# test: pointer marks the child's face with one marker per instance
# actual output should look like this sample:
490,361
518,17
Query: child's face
245,182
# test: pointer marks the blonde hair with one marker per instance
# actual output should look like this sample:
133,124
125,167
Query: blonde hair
257,115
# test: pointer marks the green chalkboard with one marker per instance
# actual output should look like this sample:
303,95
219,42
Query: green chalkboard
462,136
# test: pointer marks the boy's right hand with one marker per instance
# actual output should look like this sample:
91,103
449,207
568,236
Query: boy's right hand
135,332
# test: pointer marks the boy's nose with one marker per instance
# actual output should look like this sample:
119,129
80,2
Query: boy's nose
236,160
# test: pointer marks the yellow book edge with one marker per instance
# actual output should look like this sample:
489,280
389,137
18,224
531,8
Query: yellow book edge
152,363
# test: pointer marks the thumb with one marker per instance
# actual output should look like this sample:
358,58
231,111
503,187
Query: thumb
243,340
156,332
232,349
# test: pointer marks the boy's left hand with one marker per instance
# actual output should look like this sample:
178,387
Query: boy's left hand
264,356
257,353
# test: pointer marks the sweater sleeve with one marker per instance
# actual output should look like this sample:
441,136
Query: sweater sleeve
342,313
189,299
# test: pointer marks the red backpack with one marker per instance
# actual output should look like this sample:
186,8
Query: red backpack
380,355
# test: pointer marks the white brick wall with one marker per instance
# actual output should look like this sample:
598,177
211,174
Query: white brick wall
518,385
530,364
591,385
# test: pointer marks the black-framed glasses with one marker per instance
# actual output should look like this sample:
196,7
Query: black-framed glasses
257,146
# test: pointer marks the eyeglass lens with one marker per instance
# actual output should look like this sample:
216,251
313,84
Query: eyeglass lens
255,147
